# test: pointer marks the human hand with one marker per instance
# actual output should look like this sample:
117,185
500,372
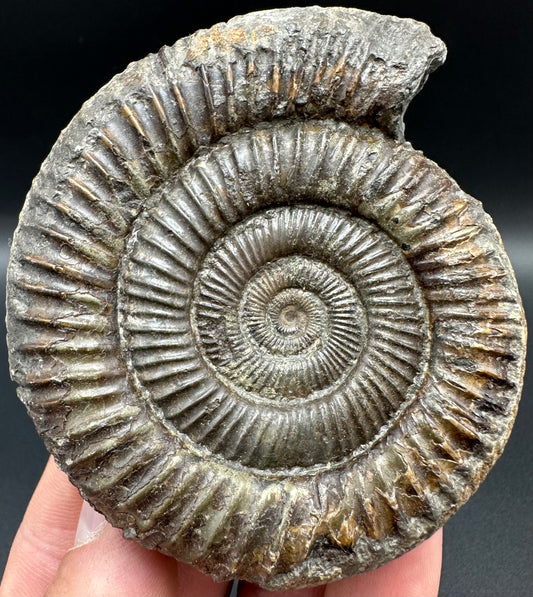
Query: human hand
43,560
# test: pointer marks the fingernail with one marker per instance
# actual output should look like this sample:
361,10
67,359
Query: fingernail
90,524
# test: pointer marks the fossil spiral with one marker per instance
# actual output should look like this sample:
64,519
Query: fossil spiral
259,331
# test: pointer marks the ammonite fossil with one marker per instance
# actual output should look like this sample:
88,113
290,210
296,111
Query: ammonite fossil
257,329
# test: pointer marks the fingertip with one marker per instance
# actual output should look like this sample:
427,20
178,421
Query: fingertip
112,565
193,583
46,533
415,574
251,590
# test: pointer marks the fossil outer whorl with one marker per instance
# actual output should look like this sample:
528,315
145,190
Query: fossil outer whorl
259,331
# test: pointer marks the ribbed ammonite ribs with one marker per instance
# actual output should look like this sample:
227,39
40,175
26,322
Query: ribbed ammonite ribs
259,331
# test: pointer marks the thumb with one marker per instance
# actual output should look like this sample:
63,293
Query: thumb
103,563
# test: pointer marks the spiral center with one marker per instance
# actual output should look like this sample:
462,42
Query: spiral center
292,319
275,332
288,323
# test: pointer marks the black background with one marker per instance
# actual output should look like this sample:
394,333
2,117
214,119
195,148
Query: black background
473,118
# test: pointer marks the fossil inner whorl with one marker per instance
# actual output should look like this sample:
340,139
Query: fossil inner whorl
271,320
296,321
